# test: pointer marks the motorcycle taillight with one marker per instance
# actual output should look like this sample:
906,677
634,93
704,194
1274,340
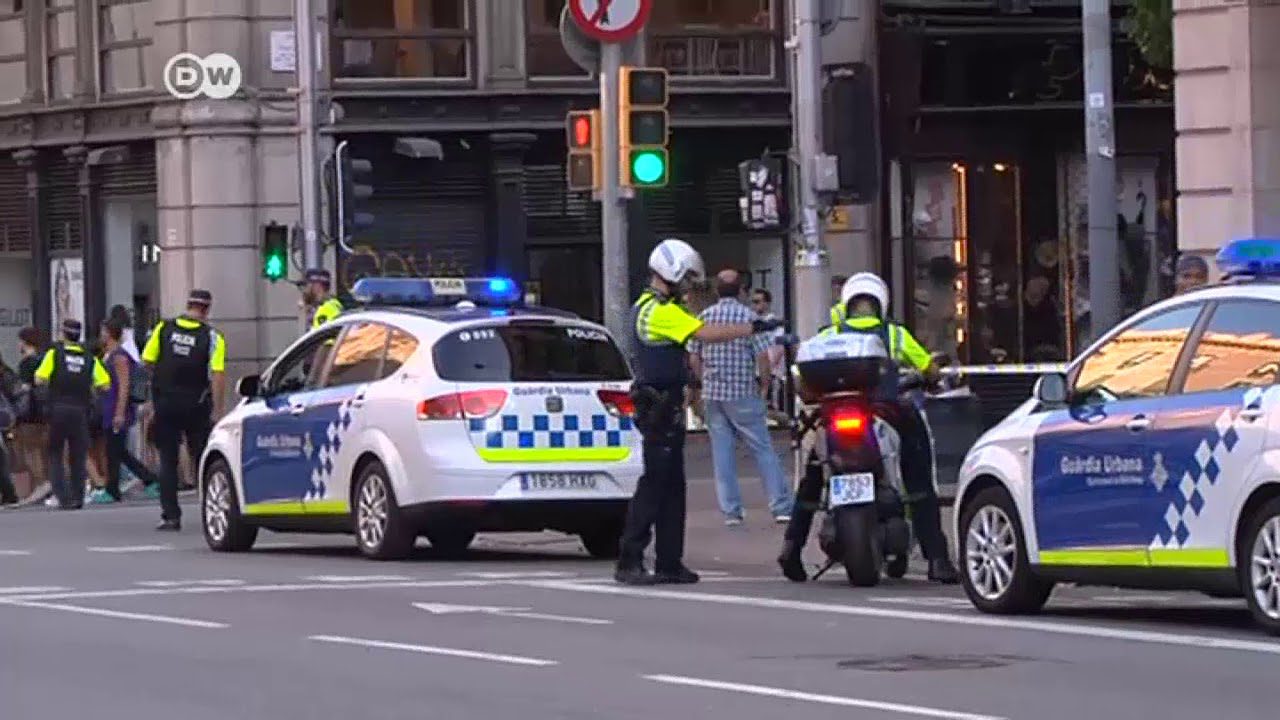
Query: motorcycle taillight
848,423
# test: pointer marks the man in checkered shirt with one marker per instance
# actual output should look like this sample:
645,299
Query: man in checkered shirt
735,385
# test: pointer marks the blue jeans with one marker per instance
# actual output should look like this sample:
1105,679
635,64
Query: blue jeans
744,418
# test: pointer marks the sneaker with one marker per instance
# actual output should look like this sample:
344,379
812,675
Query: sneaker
169,526
782,519
633,575
732,521
102,497
129,484
52,501
151,492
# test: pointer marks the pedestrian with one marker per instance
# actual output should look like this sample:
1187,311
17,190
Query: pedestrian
118,414
736,378
1191,272
31,435
9,384
71,374
762,305
662,328
188,386
318,293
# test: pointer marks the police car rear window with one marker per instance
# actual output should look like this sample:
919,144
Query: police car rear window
529,352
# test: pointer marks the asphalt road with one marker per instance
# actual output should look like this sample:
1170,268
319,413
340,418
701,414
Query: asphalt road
102,617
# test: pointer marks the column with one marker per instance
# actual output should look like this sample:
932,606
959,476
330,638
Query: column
91,250
509,231
1227,116
36,39
30,160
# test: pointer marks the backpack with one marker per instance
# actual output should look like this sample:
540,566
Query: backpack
139,384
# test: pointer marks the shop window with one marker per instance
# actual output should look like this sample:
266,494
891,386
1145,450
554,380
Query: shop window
940,242
60,49
731,39
402,39
125,30
544,53
13,58
1240,348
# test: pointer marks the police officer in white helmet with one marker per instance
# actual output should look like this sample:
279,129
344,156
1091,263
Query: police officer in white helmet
662,327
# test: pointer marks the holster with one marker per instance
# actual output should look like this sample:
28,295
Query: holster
657,411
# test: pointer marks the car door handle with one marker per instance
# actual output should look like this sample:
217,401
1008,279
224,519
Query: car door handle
1139,423
1251,413
297,409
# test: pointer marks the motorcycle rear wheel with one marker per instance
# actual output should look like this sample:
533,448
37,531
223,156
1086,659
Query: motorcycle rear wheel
857,528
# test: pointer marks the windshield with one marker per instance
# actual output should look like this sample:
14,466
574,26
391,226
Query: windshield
529,352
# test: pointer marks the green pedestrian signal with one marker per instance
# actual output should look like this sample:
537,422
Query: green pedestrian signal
275,268
275,251
649,167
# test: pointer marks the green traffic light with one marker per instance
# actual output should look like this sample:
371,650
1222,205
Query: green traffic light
648,167
275,267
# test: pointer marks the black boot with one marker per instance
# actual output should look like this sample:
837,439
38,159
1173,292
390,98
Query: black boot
679,576
632,573
791,563
942,571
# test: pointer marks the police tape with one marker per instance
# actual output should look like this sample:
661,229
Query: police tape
1006,369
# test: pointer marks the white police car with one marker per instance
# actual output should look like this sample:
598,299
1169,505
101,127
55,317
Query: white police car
441,408
1154,462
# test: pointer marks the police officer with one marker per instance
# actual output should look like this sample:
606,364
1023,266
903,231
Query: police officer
188,385
838,313
318,293
662,328
866,302
71,374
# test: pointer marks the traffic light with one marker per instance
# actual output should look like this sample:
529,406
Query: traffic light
582,133
643,158
355,187
275,251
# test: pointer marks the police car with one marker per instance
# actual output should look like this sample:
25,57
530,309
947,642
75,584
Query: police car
441,408
1153,462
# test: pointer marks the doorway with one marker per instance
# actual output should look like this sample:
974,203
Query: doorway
132,256
568,277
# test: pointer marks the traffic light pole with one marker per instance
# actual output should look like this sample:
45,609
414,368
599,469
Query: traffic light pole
811,267
1104,271
308,145
613,211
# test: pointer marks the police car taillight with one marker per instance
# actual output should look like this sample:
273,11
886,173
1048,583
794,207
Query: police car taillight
618,403
465,405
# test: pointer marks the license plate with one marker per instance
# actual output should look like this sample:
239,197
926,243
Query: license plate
544,482
855,489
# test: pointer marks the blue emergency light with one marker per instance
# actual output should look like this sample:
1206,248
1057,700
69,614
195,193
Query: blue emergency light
437,292
1250,257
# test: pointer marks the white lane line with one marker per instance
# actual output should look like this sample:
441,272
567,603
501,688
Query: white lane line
281,545
118,615
924,600
128,548
294,587
515,612
189,583
972,620
557,618
357,578
14,553
31,590
532,575
431,650
823,699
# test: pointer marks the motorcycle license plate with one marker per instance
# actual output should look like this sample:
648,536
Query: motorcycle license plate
854,489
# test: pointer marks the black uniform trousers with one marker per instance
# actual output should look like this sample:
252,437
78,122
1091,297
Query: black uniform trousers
659,500
179,418
118,456
916,454
8,493
69,433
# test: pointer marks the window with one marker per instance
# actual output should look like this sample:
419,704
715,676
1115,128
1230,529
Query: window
716,38
13,58
60,50
402,39
300,369
544,53
400,348
1139,361
529,352
358,357
1240,348
125,29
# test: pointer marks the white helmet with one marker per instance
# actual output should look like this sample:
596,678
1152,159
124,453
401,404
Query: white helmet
676,261
869,284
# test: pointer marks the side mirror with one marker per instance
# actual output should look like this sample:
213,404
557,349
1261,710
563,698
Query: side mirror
1051,389
249,386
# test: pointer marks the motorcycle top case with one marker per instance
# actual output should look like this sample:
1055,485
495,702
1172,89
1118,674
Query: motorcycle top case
843,362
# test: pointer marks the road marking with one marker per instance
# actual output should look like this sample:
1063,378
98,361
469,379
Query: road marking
189,583
356,578
116,614
295,587
14,553
532,575
823,699
129,548
281,545
31,590
924,600
446,609
431,650
1081,630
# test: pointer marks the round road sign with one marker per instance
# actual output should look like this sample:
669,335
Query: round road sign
612,21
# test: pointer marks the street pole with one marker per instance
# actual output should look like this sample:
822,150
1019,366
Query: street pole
613,215
811,267
309,178
1100,151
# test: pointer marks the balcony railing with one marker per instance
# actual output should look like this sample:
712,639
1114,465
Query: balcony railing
717,53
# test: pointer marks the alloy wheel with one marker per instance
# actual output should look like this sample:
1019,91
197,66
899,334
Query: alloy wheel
372,511
217,505
1264,570
991,552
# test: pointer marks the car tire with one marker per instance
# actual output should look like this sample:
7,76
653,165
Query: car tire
858,533
997,576
225,529
603,542
1259,564
381,531
450,542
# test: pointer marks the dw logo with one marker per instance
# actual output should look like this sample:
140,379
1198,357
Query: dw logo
188,76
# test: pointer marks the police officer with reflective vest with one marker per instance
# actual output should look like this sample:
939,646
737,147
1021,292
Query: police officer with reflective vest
318,293
71,374
188,384
866,302
662,328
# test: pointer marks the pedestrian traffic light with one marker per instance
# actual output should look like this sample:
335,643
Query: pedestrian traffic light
582,132
275,251
643,157
355,187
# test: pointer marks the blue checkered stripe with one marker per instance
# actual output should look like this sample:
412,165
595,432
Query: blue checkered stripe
323,452
551,431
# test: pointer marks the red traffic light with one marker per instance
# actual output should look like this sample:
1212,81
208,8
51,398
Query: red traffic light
582,132
581,129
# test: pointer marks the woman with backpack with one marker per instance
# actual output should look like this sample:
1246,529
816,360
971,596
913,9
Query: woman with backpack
118,413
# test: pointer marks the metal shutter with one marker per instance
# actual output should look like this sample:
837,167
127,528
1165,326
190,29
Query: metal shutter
553,211
15,223
62,206
135,176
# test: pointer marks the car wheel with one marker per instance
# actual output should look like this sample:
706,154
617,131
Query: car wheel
603,542
1260,566
225,529
380,527
451,541
996,575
